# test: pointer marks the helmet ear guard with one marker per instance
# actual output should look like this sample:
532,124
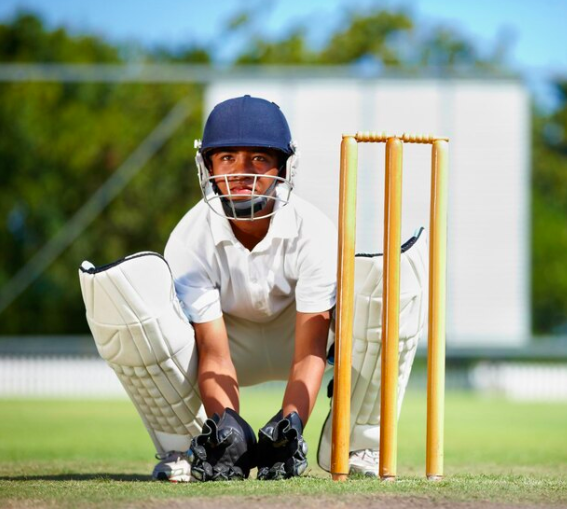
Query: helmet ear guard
292,163
202,170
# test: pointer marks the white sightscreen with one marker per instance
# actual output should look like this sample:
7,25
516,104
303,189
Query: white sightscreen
488,123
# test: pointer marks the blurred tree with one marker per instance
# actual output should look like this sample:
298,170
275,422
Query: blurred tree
59,142
387,38
293,49
549,218
25,39
446,49
376,34
189,54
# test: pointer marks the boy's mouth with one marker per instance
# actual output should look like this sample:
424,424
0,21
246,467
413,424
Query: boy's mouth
241,190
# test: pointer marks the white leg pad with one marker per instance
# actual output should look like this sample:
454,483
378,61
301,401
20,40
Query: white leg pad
142,333
367,342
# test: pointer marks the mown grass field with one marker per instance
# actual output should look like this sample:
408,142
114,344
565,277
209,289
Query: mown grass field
61,453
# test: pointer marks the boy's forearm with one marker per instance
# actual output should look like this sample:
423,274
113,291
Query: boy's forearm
218,385
309,359
303,386
218,382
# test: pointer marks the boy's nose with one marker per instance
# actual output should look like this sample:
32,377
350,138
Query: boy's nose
243,164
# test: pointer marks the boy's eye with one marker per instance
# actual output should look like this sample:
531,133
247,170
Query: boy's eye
259,158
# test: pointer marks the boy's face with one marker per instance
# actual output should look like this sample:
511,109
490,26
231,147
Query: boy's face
229,165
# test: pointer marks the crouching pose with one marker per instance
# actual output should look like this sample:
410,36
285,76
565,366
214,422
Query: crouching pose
243,295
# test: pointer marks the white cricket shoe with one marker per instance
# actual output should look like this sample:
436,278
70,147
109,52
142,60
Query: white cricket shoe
173,467
364,462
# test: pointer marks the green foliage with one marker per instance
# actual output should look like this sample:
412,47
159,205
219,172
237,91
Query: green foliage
291,50
25,39
388,38
444,49
372,35
549,218
190,54
60,142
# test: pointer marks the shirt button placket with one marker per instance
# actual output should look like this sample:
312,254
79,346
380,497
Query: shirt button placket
253,281
262,284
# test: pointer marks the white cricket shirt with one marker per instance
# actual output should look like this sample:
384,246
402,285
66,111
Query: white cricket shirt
215,274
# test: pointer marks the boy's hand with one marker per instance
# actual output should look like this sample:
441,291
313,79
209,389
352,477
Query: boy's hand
282,451
225,450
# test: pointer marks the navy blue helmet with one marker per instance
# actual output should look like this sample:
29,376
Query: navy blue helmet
247,122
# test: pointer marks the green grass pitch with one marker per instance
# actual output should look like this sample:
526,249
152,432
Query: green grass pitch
66,453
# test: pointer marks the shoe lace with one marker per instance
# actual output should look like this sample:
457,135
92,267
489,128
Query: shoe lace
372,453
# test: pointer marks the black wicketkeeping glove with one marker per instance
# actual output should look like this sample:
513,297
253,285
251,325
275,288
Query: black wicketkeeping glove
282,451
225,449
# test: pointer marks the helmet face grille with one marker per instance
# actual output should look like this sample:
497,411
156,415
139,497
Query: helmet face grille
252,206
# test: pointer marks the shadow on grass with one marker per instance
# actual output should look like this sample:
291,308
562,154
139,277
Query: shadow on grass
80,477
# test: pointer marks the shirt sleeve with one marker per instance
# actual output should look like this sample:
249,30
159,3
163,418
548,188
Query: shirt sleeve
317,277
198,294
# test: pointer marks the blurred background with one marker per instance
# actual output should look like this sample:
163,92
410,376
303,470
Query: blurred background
100,104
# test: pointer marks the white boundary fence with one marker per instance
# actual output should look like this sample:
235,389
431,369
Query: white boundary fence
84,377
521,381
68,377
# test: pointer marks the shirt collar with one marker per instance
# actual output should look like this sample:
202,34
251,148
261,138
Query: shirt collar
284,223
220,227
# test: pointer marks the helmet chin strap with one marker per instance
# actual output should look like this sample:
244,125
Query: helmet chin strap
245,208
